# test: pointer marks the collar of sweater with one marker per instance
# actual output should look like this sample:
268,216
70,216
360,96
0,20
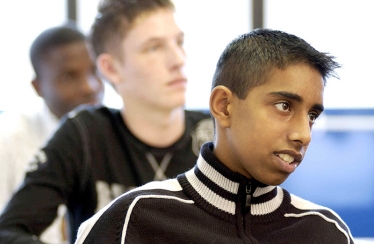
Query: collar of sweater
220,192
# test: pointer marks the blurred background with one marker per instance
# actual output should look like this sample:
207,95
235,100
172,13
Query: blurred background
338,170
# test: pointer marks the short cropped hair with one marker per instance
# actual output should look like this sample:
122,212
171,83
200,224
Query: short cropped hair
50,39
248,60
114,20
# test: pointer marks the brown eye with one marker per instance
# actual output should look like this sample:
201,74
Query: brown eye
313,117
283,106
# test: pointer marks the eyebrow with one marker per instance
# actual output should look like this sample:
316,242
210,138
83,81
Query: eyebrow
297,98
161,38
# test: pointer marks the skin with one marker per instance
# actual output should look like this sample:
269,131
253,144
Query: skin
150,78
275,118
68,78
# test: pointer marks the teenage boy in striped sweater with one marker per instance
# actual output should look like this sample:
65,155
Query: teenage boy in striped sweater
266,95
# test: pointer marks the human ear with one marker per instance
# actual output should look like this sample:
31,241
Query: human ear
220,105
36,84
109,67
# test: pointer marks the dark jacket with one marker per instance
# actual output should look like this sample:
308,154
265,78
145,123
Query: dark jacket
212,204
90,160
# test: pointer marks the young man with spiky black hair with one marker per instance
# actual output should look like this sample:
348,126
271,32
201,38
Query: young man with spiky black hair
267,93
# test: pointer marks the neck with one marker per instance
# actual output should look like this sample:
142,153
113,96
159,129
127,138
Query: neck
154,127
229,190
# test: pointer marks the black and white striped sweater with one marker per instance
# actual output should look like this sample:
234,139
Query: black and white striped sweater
211,204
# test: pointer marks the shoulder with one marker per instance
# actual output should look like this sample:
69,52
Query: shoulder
17,127
81,128
9,122
155,189
90,111
14,121
89,116
119,211
29,118
306,208
303,204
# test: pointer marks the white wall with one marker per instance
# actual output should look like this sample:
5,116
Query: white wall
343,28
20,22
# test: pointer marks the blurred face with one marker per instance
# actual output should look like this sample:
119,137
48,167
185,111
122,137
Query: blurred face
271,129
68,79
153,61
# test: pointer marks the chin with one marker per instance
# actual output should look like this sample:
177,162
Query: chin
177,103
279,181
275,181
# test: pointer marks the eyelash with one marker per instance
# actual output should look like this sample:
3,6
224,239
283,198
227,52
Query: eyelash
157,46
315,117
181,42
153,47
282,103
312,121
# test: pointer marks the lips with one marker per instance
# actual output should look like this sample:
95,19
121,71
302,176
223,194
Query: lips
290,156
286,161
285,157
178,81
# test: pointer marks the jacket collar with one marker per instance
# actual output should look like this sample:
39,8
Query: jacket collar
214,187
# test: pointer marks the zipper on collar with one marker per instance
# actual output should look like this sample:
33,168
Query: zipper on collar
246,189
248,197
246,192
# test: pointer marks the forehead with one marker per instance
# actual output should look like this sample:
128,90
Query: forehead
70,52
66,57
301,79
155,24
300,73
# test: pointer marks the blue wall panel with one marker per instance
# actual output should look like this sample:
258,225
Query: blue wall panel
338,172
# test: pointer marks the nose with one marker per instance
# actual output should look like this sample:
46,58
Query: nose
300,131
92,87
177,56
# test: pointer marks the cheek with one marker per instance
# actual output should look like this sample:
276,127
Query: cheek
136,77
65,95
64,98
244,130
50,90
138,67
258,131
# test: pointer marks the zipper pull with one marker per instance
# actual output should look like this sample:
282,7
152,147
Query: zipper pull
248,196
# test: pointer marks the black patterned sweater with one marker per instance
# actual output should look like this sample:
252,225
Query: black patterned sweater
212,204
92,159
